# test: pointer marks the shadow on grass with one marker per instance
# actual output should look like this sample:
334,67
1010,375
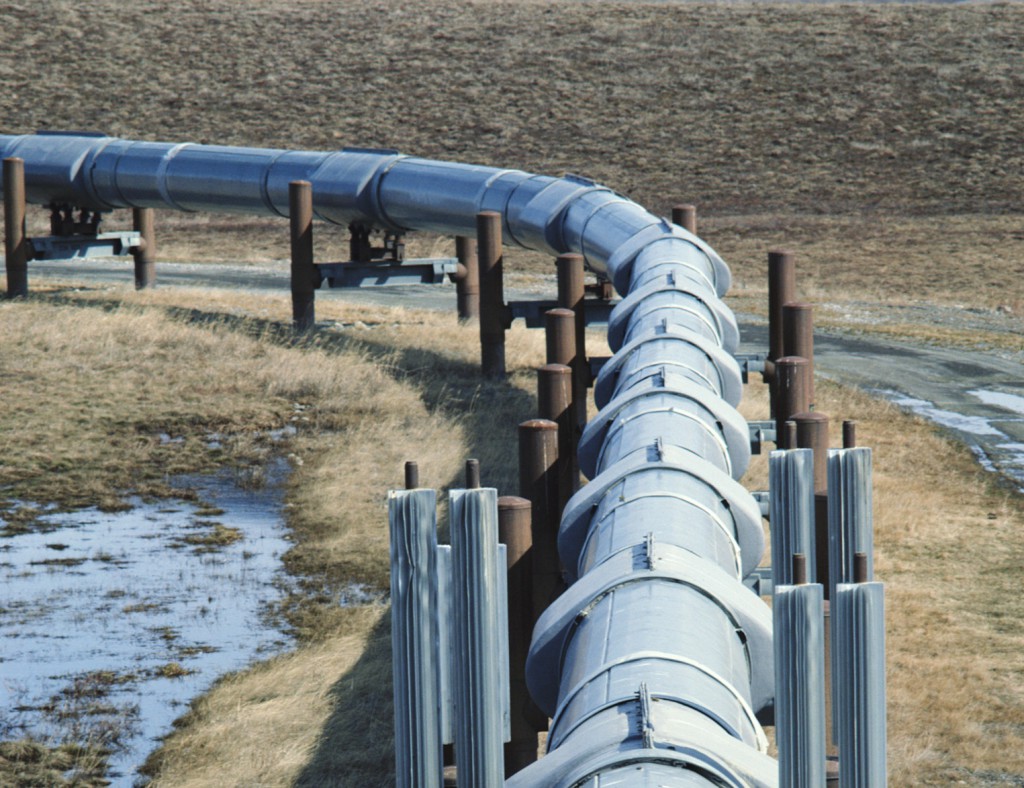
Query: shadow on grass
356,745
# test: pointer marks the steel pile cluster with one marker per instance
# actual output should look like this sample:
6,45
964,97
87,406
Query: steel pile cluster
657,659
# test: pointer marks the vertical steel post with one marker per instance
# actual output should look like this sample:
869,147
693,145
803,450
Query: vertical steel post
849,434
799,684
560,339
554,403
15,240
145,255
791,503
472,474
538,483
514,532
860,684
480,665
798,338
791,395
812,433
781,290
303,273
467,284
492,294
415,666
850,517
412,475
686,217
571,296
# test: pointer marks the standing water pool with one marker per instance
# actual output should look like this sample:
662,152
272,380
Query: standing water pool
110,623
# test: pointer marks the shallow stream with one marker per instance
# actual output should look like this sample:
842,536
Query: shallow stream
110,623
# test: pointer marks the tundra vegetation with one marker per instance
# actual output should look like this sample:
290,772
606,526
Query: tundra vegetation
881,143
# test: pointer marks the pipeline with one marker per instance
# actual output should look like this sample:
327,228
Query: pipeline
657,660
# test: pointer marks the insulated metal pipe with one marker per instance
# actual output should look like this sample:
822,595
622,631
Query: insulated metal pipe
662,534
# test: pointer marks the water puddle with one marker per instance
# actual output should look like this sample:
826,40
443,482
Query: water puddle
111,622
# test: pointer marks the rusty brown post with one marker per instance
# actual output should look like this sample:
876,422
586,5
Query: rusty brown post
538,482
860,567
144,255
790,389
788,435
781,290
472,474
798,338
799,569
412,475
16,248
554,403
686,217
514,532
492,294
849,434
560,338
300,212
571,289
467,282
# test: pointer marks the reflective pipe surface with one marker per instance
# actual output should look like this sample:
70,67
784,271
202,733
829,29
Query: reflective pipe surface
656,661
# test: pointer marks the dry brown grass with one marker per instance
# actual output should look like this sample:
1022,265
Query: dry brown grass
947,552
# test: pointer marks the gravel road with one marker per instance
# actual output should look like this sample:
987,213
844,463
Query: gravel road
978,396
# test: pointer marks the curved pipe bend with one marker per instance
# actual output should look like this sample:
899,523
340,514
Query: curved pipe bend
672,325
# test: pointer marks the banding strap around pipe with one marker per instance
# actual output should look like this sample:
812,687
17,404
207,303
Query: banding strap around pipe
637,656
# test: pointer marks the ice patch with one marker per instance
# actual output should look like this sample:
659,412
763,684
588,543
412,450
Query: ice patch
1010,402
975,425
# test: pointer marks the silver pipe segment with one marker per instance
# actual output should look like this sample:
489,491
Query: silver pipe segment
656,661
377,188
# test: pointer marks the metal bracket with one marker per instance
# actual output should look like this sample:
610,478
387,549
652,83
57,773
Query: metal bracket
760,581
427,271
761,432
68,247
762,498
750,362
596,311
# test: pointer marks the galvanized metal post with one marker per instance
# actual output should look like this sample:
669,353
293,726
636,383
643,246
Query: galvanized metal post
467,283
303,273
791,395
860,684
16,249
538,482
554,403
850,517
480,666
798,338
799,684
492,294
414,636
791,503
686,217
514,532
145,255
571,296
812,433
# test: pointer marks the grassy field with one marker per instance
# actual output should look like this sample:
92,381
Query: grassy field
881,143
